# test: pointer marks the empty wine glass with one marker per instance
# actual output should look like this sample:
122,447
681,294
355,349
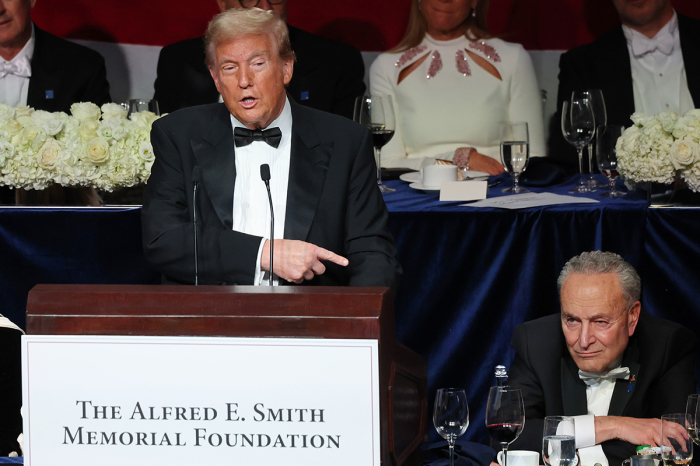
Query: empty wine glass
505,416
691,410
676,444
578,126
515,152
559,441
451,415
601,119
606,155
143,105
376,112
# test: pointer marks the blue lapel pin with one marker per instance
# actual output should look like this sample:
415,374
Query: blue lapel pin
631,385
305,95
49,94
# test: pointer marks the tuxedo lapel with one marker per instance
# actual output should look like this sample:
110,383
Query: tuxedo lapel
615,73
690,47
307,174
573,389
624,388
47,76
214,153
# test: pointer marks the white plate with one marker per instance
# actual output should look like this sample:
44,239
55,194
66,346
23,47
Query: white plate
474,174
411,177
429,189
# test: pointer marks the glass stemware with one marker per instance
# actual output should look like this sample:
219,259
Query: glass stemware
451,416
601,119
606,155
515,152
559,441
691,410
376,113
578,126
505,416
143,105
676,444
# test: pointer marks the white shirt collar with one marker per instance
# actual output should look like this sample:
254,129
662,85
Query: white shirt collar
641,44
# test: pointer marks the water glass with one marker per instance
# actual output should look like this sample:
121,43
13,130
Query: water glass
515,152
451,415
676,444
559,441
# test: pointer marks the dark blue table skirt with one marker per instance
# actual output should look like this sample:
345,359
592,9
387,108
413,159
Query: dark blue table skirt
470,275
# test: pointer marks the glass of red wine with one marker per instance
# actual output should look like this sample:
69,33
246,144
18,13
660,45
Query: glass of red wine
606,155
376,113
505,416
451,415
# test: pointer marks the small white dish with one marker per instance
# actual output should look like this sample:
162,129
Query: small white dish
428,189
473,174
411,177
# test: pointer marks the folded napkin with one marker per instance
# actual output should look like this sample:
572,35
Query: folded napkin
466,454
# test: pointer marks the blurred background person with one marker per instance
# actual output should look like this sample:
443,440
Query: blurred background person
10,386
452,84
328,75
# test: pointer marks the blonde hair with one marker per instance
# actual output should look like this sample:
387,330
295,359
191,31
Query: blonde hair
474,27
239,22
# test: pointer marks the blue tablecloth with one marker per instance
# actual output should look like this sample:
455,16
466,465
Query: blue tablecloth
470,275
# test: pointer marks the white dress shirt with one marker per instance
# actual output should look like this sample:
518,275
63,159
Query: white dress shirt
251,208
14,89
658,72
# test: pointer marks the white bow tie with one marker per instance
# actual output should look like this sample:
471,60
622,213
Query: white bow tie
21,67
593,378
663,42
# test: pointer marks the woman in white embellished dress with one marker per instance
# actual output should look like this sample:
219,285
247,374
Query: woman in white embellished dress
452,85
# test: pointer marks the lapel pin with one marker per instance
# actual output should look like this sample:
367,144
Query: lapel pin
305,95
631,385
49,94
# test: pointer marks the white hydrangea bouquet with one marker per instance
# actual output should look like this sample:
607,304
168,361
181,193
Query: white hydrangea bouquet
94,147
659,147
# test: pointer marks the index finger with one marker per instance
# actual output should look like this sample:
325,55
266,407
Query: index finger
326,255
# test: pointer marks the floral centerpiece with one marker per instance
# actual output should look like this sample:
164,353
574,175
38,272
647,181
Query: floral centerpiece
660,147
94,147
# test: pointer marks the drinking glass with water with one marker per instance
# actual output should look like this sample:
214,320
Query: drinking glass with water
559,441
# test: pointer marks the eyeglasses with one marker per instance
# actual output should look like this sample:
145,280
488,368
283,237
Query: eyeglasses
254,3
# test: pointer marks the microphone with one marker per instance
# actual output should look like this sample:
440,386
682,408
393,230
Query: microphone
196,179
265,175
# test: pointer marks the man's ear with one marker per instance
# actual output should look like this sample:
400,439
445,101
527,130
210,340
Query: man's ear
633,317
288,69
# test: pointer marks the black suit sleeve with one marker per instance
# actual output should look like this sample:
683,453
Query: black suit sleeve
225,256
369,247
10,390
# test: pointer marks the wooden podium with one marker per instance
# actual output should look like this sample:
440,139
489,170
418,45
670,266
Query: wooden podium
247,311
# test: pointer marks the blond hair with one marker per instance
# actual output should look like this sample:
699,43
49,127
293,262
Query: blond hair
239,22
474,27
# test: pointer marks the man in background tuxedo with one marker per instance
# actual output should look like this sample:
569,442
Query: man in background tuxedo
331,221
328,75
601,360
650,63
10,386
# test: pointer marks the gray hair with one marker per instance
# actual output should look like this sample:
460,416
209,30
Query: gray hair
239,22
599,262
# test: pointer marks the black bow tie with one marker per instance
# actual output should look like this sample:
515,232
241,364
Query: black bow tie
244,136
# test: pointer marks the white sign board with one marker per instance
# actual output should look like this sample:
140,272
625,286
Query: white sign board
182,400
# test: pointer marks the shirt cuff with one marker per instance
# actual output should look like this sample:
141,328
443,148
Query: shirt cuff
259,273
592,455
585,430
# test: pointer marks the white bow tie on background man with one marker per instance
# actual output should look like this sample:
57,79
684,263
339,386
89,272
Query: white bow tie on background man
593,378
663,42
21,67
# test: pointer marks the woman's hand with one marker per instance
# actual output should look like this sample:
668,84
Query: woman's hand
483,163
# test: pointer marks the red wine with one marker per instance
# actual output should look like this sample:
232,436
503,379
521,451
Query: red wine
504,433
610,173
381,136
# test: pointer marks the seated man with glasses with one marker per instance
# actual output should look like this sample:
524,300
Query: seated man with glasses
328,75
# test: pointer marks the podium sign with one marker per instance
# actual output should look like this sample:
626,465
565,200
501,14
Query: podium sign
113,400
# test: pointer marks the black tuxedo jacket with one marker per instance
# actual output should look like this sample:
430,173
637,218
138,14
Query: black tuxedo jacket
660,354
332,200
10,389
328,75
605,64
64,73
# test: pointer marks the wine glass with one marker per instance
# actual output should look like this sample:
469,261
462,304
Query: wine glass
376,112
515,152
143,105
559,441
451,415
606,155
691,410
676,444
601,119
578,126
505,416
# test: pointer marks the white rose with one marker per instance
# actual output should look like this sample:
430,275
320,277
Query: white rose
641,119
683,153
97,151
69,158
53,126
112,110
49,154
695,113
7,151
85,110
88,129
628,140
28,134
143,119
40,116
146,151
119,132
668,120
13,127
24,111
7,113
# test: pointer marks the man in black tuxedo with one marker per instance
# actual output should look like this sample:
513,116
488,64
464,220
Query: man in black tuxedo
323,176
328,75
615,369
10,386
630,65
